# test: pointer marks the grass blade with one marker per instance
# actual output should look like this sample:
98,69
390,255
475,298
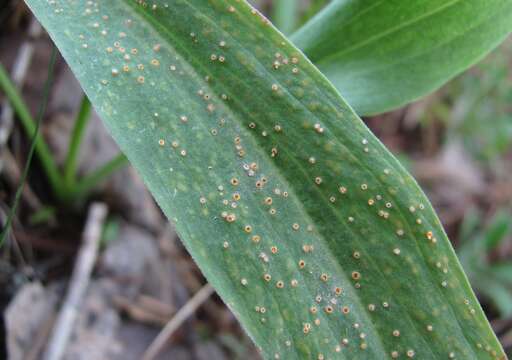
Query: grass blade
80,125
90,181
30,126
33,144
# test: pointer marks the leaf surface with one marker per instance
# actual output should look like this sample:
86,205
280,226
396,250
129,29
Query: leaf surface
314,235
383,54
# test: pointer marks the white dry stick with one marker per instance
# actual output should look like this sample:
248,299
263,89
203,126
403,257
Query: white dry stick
179,318
18,73
78,283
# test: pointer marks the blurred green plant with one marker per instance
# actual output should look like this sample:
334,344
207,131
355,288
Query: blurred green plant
110,231
475,110
285,15
481,103
238,347
64,183
311,10
491,279
43,216
289,15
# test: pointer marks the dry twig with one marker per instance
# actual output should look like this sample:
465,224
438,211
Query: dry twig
188,309
78,283
145,309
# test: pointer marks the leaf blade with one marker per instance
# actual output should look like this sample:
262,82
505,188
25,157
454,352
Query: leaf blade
245,156
384,54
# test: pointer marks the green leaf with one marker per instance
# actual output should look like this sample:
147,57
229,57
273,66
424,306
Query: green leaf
498,229
469,227
314,235
384,54
495,291
285,15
